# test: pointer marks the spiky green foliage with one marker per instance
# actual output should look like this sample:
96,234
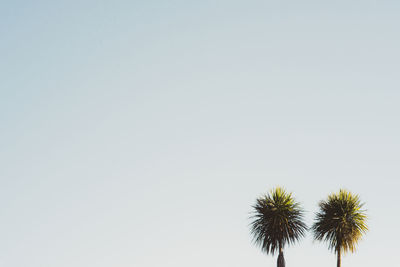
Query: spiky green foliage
340,221
278,220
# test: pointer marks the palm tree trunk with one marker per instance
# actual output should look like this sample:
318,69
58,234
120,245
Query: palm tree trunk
339,260
281,259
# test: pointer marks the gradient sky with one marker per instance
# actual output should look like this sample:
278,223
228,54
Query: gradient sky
139,133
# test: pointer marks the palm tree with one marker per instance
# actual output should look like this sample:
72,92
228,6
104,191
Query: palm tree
341,222
278,220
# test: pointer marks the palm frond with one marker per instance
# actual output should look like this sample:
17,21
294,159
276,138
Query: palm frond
341,221
277,221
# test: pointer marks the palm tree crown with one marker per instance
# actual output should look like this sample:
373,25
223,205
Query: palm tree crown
341,222
277,221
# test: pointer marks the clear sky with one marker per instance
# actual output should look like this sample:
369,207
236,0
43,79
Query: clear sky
139,133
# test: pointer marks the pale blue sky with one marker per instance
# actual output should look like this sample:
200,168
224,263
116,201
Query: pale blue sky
140,133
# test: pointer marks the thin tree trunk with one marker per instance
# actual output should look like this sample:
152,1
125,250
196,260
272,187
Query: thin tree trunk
339,260
281,259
